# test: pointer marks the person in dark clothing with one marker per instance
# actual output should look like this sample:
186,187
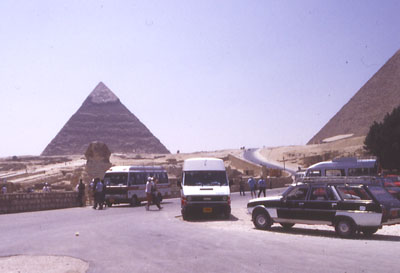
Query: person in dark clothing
98,194
81,193
154,193
241,187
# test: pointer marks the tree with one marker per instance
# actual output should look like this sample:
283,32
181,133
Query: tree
383,140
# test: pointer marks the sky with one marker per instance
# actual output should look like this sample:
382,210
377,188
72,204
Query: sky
201,75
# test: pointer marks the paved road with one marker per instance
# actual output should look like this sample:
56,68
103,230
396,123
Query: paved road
252,155
125,239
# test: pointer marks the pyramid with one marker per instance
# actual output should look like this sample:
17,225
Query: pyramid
102,117
379,96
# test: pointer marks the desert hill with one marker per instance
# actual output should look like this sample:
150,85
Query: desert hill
379,96
102,117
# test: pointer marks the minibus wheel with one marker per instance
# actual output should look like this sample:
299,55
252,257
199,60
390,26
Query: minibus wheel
134,201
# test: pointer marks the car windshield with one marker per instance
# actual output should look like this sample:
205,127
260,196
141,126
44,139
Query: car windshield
205,178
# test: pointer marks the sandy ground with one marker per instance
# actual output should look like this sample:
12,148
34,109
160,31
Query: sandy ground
293,155
42,264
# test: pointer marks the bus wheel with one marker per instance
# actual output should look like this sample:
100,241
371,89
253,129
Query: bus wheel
134,201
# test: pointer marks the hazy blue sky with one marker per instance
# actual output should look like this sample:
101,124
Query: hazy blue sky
201,75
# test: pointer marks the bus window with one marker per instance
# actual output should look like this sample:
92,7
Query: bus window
163,178
360,171
115,179
337,172
140,178
314,173
132,179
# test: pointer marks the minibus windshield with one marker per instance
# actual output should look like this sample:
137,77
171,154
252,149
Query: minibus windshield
205,178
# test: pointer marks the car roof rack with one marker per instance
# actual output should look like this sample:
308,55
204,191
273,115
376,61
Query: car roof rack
339,180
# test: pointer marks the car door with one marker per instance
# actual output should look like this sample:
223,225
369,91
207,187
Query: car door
293,203
320,205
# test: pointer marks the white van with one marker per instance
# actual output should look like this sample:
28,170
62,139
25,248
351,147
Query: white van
205,187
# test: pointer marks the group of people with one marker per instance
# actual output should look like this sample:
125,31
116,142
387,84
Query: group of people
261,185
152,195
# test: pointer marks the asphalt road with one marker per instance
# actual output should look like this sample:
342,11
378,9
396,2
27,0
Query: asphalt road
252,156
126,239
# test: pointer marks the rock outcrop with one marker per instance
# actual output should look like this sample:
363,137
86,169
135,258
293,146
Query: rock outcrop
102,117
379,96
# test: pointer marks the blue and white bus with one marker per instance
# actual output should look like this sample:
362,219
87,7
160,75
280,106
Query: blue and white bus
126,184
347,166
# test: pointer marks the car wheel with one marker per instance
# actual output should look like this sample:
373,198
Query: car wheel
369,231
261,220
185,215
109,204
134,201
344,228
227,213
287,225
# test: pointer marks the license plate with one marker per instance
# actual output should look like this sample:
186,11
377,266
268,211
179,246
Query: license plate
207,210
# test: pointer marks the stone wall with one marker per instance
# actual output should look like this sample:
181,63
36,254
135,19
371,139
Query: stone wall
23,202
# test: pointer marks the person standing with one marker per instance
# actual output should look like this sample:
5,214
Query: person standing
241,187
155,193
262,186
98,192
4,189
252,185
81,193
46,187
148,190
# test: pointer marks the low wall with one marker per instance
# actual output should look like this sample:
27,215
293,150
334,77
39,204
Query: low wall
23,202
247,167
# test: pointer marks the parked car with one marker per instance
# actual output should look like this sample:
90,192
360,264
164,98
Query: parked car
349,207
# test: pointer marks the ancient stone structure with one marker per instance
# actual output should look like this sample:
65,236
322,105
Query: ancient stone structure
379,96
98,160
102,117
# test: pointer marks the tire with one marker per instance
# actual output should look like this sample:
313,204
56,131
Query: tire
344,228
369,231
262,220
134,201
227,213
286,226
109,204
185,215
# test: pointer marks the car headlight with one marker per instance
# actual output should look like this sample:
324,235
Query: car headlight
225,198
189,198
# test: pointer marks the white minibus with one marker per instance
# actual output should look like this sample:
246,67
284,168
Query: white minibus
126,184
204,187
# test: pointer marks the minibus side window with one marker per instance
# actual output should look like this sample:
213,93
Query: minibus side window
132,179
314,173
335,172
140,178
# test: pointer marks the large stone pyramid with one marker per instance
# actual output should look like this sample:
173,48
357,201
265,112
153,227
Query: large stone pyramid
379,96
102,117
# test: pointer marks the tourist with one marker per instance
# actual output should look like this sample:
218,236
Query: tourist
252,185
98,194
262,186
46,187
148,190
155,193
241,187
81,193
